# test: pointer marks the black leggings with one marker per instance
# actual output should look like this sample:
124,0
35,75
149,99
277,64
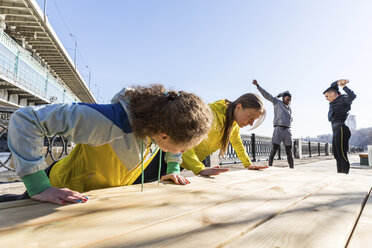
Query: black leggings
340,146
288,150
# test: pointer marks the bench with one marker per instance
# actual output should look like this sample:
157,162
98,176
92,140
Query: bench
363,159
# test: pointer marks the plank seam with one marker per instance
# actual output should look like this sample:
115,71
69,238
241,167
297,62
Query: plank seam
358,217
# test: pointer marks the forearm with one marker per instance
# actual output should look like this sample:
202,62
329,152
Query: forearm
351,95
192,162
238,146
266,94
173,162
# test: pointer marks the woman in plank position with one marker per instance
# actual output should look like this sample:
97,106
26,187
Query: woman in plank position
115,142
229,117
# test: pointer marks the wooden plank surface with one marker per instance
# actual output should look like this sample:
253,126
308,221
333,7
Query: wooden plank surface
325,219
271,208
362,235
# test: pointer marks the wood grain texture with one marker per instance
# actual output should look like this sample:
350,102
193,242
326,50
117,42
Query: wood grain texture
277,207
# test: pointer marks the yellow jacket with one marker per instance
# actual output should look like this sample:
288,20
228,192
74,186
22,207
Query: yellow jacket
193,157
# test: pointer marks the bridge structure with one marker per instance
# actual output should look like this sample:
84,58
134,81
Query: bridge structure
35,68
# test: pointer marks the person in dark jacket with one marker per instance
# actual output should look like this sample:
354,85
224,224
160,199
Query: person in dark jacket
339,107
282,123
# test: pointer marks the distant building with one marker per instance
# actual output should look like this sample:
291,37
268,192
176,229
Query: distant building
351,122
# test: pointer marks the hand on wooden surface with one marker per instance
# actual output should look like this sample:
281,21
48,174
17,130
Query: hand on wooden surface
176,178
59,196
257,167
216,170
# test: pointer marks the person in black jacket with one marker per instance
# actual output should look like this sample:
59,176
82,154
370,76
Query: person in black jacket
339,107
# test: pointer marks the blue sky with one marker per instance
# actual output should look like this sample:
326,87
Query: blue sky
215,49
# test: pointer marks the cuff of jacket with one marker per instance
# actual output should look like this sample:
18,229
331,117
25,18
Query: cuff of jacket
247,163
173,167
36,182
197,170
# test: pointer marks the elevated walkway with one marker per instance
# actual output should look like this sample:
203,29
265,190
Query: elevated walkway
35,68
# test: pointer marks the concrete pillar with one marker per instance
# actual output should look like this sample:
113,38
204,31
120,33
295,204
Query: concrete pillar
4,95
2,22
13,98
23,102
298,148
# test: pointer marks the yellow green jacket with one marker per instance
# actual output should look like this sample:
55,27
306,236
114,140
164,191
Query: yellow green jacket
193,157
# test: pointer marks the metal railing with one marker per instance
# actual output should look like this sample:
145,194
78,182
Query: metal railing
259,148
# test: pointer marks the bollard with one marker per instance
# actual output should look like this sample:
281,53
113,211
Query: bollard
253,144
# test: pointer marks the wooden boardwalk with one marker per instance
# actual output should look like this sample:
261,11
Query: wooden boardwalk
310,206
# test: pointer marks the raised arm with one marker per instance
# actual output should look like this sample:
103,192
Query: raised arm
264,93
350,94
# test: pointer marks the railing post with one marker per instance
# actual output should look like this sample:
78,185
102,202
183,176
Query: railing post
327,149
253,146
309,148
299,148
319,148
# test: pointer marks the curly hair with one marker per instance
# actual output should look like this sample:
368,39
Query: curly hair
248,100
183,116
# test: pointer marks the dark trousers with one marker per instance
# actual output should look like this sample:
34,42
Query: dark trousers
340,146
288,150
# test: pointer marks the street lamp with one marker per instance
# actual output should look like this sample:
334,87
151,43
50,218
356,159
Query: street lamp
45,6
97,92
74,36
90,73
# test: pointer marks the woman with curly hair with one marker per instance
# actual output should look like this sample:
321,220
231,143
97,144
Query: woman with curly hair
115,142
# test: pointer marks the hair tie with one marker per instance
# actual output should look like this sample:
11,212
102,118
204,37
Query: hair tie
172,96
